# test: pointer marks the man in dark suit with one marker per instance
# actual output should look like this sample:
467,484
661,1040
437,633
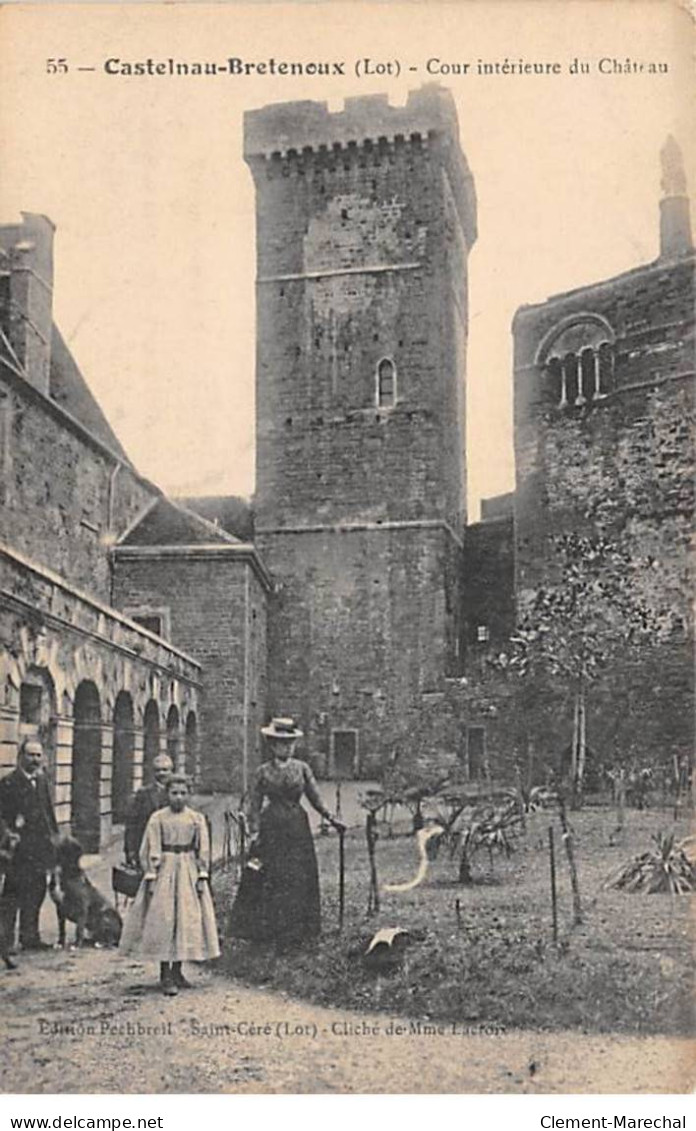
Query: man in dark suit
27,811
145,802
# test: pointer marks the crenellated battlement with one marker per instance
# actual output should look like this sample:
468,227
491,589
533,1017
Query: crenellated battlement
289,138
310,126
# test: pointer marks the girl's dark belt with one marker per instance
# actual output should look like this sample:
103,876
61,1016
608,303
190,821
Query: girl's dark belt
178,848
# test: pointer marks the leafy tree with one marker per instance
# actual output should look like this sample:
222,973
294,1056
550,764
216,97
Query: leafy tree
600,602
410,787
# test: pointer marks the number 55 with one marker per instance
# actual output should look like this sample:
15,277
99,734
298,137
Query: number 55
57,66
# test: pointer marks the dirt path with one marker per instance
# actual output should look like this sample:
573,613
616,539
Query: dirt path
92,1022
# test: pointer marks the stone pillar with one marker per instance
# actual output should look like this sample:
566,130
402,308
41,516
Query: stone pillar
106,770
138,742
9,737
64,753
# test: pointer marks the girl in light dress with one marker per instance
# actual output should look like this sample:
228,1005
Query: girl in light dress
172,918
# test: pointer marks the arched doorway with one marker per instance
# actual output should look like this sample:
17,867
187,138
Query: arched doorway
191,747
151,739
122,767
173,736
86,767
37,714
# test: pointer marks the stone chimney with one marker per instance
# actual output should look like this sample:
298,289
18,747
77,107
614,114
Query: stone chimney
675,220
26,262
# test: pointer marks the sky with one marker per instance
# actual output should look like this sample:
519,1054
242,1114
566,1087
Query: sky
154,209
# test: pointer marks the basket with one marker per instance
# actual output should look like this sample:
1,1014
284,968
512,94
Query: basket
125,880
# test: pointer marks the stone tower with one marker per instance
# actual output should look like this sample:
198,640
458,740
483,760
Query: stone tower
364,223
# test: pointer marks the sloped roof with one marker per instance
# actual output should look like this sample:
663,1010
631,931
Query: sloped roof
167,523
231,512
498,506
68,388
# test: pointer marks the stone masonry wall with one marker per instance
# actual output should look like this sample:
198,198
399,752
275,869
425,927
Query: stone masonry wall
217,610
55,491
488,583
624,465
361,636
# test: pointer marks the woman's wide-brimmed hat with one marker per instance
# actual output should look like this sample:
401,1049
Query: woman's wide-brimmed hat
281,728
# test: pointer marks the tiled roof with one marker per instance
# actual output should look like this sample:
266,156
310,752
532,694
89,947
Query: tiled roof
69,389
168,523
231,512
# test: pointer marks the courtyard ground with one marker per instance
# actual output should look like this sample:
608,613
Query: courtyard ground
94,1022
484,954
483,1005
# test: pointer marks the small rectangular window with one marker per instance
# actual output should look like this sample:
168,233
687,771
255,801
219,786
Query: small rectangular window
483,633
151,623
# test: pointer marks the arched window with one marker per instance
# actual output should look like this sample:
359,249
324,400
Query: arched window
386,383
577,361
37,714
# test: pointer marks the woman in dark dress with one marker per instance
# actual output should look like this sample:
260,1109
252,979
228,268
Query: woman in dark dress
278,897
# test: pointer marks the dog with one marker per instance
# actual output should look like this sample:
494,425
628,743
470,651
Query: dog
77,900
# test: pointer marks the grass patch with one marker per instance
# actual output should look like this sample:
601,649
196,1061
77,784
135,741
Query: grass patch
627,968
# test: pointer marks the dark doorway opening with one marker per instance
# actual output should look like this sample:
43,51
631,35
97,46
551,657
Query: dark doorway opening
344,761
86,767
124,747
151,739
173,735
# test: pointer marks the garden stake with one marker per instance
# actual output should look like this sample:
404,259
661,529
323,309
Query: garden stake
568,845
371,834
620,787
520,796
458,913
242,847
554,906
341,877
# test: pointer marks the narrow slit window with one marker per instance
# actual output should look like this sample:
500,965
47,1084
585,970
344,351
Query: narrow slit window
386,383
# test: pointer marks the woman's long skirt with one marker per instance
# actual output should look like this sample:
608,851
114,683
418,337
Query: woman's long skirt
280,903
173,923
